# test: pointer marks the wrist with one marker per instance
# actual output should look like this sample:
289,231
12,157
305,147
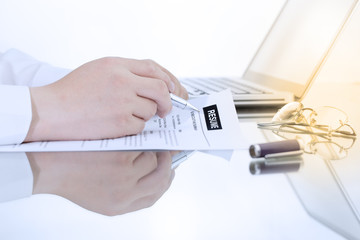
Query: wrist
40,128
44,171
34,120
35,171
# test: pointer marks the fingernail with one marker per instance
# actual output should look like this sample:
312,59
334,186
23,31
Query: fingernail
172,86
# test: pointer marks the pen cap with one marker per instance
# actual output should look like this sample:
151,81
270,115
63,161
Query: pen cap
262,149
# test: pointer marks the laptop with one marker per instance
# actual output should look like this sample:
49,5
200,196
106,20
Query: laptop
288,60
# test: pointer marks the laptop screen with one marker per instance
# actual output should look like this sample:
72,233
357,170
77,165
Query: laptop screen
298,43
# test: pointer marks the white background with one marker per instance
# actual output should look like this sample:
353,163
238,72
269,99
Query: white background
189,37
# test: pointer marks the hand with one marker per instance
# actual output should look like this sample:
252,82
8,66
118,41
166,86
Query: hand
109,183
106,98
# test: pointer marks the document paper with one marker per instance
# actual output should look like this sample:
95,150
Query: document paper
215,127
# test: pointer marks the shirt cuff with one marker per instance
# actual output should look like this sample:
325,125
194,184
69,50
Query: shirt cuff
16,178
15,114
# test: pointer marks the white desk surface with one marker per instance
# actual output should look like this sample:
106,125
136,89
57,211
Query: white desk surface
210,198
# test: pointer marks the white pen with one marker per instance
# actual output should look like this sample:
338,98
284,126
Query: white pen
181,103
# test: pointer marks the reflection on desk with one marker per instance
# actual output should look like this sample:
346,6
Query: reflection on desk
319,187
210,199
327,184
284,165
109,183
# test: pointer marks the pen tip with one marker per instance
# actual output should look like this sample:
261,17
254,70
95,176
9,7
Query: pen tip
197,110
193,107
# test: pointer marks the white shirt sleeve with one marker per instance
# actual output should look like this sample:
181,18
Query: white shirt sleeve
16,178
15,114
18,72
18,68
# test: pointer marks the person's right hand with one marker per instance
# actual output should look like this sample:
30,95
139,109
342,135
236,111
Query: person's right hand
106,98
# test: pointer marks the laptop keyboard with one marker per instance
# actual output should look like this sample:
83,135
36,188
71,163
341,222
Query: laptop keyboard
203,86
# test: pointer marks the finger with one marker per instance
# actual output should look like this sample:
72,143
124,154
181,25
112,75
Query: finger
172,78
149,68
183,93
173,153
179,89
146,108
134,125
176,82
157,91
121,156
145,163
146,198
145,202
160,179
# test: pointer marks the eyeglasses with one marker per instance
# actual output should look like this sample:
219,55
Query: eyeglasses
324,130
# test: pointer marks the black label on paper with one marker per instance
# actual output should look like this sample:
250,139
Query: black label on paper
212,117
